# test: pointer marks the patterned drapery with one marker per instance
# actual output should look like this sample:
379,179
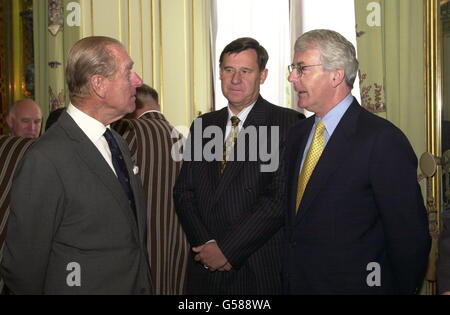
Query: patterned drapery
55,33
391,54
369,32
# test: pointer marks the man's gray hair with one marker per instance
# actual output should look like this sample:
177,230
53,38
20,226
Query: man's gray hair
336,52
88,57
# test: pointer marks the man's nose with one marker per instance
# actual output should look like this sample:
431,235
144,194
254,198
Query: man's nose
137,81
236,77
35,127
292,77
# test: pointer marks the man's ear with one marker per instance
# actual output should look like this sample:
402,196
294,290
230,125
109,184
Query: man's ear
9,121
97,83
263,78
338,77
221,73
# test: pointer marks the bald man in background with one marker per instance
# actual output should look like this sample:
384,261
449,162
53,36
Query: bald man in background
24,119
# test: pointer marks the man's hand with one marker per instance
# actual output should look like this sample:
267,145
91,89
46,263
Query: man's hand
227,267
211,257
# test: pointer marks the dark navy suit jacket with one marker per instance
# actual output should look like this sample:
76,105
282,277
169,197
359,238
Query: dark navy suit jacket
362,205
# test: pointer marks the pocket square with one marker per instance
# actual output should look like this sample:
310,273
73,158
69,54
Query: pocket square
135,170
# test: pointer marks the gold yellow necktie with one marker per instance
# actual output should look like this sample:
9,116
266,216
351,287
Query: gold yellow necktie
315,150
231,140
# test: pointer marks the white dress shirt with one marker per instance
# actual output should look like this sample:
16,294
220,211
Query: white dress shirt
242,117
150,111
330,120
94,130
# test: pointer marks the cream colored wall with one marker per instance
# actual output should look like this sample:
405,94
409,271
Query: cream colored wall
169,43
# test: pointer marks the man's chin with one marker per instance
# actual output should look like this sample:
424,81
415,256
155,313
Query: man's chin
302,105
130,109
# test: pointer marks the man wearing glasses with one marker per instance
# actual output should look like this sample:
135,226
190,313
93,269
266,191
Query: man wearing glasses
355,218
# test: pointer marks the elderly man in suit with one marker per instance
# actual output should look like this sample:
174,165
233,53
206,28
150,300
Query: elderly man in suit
230,206
24,119
150,138
356,222
81,228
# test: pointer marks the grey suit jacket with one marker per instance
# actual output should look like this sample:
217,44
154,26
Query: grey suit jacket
71,229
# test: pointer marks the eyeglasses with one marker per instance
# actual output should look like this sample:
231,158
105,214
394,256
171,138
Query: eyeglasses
300,69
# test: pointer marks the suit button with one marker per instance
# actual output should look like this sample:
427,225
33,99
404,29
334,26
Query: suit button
293,244
143,290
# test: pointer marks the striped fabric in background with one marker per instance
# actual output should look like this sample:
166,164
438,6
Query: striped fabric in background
150,142
11,151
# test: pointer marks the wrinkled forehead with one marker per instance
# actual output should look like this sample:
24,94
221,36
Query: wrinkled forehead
307,56
27,110
247,57
121,57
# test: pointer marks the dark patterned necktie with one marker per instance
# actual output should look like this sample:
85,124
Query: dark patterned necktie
230,142
120,167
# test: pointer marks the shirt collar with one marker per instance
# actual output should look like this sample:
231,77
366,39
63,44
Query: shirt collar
334,116
242,115
149,111
93,129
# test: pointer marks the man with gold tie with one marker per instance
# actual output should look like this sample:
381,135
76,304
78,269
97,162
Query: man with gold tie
355,218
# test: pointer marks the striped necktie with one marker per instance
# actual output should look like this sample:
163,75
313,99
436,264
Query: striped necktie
229,143
314,153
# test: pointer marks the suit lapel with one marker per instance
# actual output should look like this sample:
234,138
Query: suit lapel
89,153
257,117
338,147
135,185
214,167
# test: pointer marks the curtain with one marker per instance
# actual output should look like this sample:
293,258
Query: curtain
391,54
203,55
390,50
56,29
267,21
169,41
296,29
